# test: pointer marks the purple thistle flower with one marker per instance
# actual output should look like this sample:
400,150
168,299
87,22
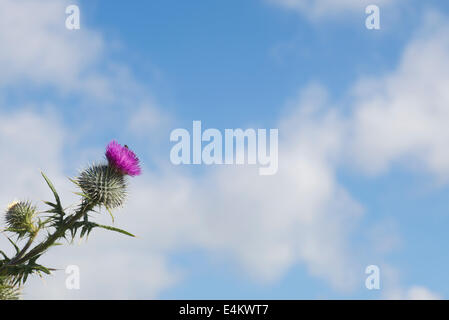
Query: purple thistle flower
122,159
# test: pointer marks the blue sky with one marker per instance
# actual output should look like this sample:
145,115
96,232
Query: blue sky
363,175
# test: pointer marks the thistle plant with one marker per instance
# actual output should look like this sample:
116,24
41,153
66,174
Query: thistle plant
99,186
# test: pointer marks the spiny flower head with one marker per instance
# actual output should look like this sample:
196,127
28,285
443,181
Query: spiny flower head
12,204
103,185
19,217
122,159
8,291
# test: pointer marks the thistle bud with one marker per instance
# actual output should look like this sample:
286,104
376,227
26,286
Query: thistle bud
8,291
20,217
103,185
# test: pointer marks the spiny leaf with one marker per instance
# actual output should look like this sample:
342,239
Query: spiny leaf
52,188
115,229
74,181
56,244
81,194
110,213
51,204
4,255
15,246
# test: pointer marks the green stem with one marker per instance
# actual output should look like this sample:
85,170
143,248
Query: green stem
60,232
25,248
14,260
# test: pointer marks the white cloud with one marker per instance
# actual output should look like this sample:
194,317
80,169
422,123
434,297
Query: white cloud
38,50
392,287
148,117
105,272
324,8
300,215
36,46
421,293
402,117
148,121
414,293
29,143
